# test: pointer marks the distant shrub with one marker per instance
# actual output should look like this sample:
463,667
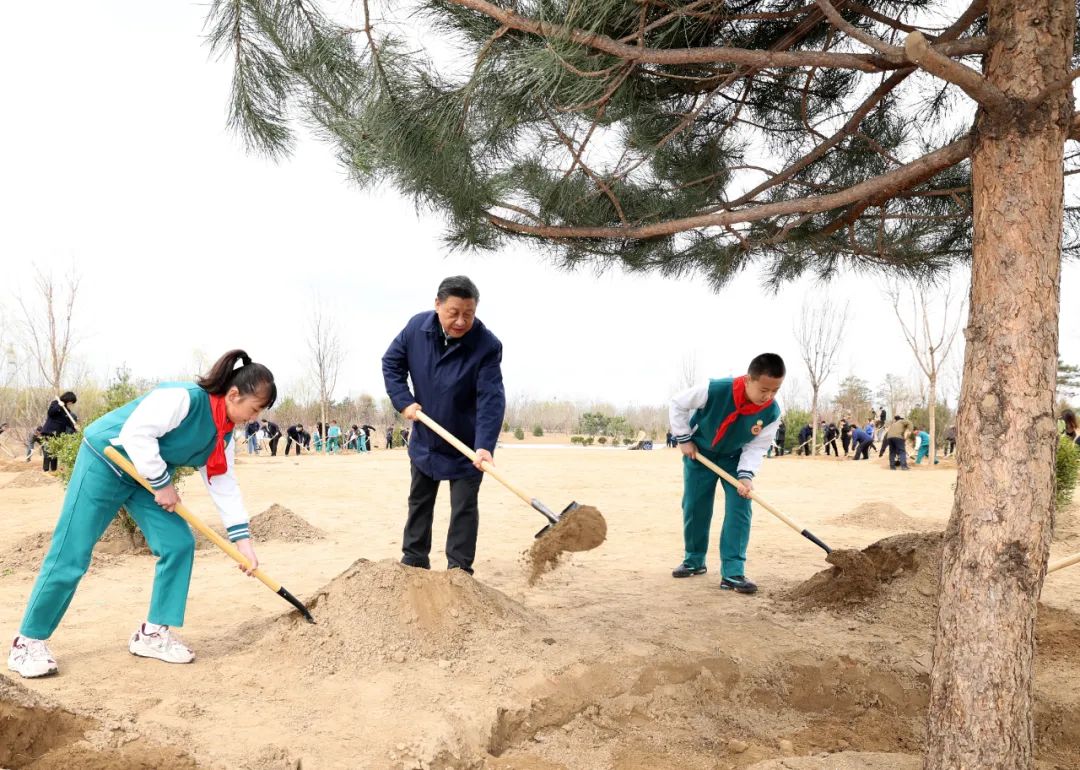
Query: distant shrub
519,434
602,440
538,430
577,439
1066,470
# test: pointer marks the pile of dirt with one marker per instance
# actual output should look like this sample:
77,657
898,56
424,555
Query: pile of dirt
35,734
1067,523
385,611
880,515
31,478
279,523
118,541
26,553
902,569
13,466
581,529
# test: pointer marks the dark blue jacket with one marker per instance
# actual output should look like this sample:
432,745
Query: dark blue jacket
458,385
57,422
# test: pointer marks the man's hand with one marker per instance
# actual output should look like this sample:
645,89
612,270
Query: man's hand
745,488
483,456
409,412
247,548
167,498
689,449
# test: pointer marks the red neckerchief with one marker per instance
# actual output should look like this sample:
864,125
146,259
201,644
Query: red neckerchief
217,465
742,406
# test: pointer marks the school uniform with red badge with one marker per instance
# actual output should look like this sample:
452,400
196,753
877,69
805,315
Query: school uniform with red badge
176,424
719,420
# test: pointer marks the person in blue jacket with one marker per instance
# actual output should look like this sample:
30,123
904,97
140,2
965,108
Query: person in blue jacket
454,363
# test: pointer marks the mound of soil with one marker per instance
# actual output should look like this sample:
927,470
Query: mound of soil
880,515
35,734
581,529
117,541
14,466
386,611
901,568
31,478
844,760
26,553
279,523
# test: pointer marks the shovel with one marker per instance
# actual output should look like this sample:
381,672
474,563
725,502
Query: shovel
1066,561
753,496
122,462
459,445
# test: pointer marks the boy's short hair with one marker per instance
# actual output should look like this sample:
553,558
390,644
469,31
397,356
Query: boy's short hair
768,364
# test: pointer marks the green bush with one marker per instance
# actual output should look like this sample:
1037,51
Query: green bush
794,420
506,427
602,440
577,440
1066,470
538,430
519,434
627,441
589,441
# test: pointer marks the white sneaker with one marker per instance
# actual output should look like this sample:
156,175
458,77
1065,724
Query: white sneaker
161,645
30,658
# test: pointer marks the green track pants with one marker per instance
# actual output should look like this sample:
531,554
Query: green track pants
699,492
94,494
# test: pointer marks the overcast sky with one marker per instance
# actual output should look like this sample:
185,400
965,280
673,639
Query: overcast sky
114,154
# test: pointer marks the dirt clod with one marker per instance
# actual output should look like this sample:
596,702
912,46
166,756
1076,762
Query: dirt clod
279,523
580,529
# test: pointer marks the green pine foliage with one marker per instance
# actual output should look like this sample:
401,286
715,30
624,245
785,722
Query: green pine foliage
537,129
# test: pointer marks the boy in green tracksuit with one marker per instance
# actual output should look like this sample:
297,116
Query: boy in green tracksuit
733,422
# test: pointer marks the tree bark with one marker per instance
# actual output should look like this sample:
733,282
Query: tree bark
931,408
998,537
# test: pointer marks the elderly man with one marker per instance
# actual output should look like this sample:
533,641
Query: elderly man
454,363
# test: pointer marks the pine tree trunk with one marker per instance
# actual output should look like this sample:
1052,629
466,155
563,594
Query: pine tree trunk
813,424
998,537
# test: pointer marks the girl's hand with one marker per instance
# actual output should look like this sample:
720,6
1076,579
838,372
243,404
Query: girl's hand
167,498
247,548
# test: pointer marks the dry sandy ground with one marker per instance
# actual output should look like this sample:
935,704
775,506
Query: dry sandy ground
607,662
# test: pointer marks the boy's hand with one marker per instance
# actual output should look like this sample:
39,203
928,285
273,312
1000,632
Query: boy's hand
689,449
167,498
745,488
247,548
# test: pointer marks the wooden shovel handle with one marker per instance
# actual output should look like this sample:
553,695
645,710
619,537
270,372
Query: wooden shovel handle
1066,561
125,464
753,495
459,445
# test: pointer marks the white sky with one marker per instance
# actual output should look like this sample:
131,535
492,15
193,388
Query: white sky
114,154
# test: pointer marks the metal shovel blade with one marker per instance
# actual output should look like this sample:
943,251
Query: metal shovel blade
565,511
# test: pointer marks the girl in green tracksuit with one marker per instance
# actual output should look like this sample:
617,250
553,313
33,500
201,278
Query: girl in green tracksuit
176,424
733,422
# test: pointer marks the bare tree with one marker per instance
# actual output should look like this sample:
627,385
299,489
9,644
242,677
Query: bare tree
688,371
47,325
324,347
818,337
930,345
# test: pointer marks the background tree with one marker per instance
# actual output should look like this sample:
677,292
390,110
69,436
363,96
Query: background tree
1068,379
691,138
818,335
930,345
47,326
326,354
852,400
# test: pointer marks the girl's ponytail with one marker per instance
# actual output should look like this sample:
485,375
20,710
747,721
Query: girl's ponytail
249,379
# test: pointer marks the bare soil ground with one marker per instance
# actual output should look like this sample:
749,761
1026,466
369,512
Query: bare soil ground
605,662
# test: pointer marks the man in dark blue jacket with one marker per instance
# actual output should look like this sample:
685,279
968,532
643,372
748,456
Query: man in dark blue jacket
455,366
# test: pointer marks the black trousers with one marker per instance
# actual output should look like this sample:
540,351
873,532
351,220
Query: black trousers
48,461
897,452
464,521
831,443
846,441
273,445
862,449
779,447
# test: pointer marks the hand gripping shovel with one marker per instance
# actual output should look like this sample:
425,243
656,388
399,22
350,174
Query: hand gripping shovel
122,462
451,439
753,496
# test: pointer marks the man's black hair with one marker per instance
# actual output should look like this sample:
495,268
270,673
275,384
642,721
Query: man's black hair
457,286
768,364
68,398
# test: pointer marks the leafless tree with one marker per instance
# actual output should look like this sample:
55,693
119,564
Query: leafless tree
326,355
688,371
818,336
47,322
930,334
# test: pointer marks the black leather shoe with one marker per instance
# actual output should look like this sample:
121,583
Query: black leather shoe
685,570
740,584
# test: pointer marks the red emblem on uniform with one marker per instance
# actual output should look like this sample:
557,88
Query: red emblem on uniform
757,428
